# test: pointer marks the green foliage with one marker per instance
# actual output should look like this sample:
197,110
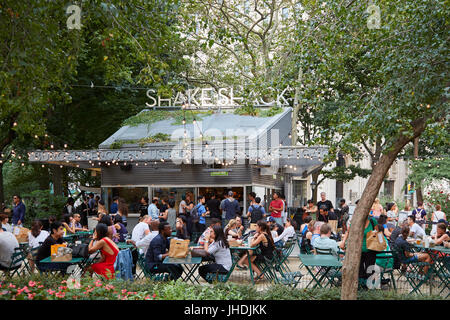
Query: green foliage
438,196
41,204
39,287
345,174
151,116
427,171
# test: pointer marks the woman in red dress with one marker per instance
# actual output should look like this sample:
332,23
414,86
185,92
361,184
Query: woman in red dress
108,249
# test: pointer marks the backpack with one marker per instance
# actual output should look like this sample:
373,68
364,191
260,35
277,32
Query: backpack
256,214
194,214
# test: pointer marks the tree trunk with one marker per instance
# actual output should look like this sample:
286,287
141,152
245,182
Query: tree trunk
416,156
57,180
2,193
351,263
296,108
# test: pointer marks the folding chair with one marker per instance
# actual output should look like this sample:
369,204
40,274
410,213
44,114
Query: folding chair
414,272
278,271
383,257
16,267
332,273
147,274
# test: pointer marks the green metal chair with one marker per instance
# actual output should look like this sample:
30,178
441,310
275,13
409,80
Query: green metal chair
414,273
147,274
333,275
17,265
384,264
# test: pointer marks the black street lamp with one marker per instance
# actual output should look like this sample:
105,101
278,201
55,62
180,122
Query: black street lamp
313,185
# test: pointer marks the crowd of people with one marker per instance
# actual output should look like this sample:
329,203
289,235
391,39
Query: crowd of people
319,225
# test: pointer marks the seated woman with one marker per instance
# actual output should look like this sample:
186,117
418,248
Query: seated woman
122,231
68,225
442,235
263,239
108,250
35,238
306,234
230,229
382,220
220,250
56,237
181,228
112,231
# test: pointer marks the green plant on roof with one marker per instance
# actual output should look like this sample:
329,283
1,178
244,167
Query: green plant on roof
151,116
159,137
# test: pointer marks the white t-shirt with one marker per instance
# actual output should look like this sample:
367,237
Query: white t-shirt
144,243
438,215
180,207
8,243
139,231
288,232
417,230
7,227
34,242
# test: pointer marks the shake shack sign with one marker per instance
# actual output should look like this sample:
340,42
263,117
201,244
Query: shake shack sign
207,98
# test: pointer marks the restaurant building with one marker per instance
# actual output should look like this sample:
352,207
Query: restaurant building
201,152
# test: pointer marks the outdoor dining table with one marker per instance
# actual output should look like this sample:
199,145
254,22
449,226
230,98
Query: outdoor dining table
75,236
189,264
318,264
81,262
246,248
124,246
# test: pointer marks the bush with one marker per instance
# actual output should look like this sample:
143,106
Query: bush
38,287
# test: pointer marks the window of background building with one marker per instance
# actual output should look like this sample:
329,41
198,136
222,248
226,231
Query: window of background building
132,196
389,188
299,193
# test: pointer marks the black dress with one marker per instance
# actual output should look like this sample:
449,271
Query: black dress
266,250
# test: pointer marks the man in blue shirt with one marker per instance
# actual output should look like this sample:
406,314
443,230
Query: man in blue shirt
231,207
91,204
201,212
324,242
18,215
115,205
153,211
259,212
158,251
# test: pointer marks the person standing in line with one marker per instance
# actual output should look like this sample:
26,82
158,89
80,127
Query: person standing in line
153,211
231,207
420,214
114,205
276,207
284,209
83,209
143,208
19,209
213,206
325,202
69,206
92,205
201,212
256,212
436,217
377,208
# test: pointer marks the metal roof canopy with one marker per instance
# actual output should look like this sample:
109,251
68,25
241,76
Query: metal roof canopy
263,142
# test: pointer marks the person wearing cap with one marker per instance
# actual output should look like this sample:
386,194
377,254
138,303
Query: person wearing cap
276,228
231,207
276,208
